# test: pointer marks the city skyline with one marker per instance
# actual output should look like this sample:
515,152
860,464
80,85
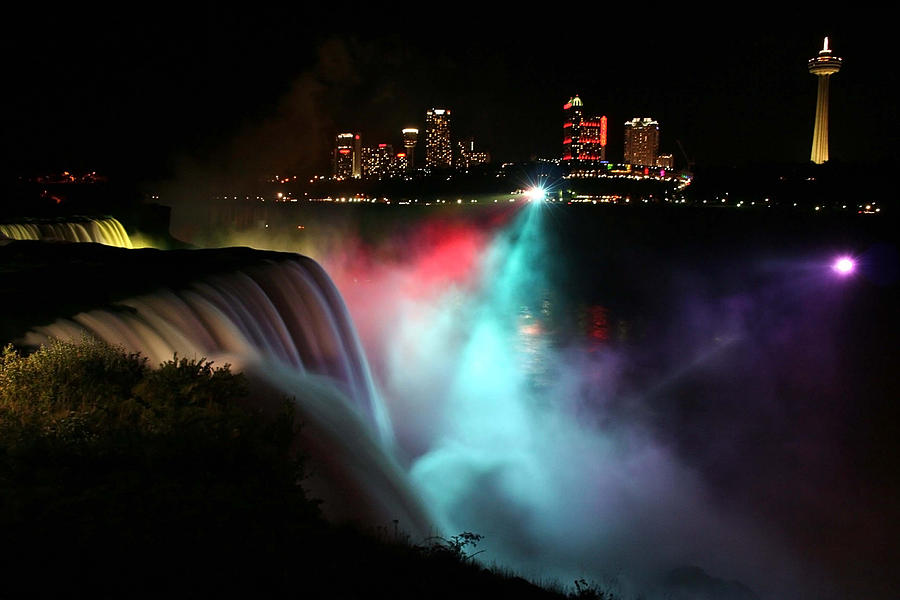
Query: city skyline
584,147
147,110
585,142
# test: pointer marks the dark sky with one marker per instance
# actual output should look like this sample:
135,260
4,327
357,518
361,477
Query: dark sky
258,89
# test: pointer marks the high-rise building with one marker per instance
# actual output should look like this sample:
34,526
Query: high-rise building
641,141
822,66
438,151
572,128
377,160
583,140
593,139
399,165
469,157
410,137
347,158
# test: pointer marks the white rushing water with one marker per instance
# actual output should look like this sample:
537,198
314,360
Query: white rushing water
286,327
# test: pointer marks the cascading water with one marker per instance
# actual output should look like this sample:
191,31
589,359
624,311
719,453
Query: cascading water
106,230
285,325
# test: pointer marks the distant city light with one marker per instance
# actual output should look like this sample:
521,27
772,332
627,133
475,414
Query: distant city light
844,265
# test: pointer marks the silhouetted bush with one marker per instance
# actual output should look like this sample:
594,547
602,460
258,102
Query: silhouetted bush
589,591
454,548
113,473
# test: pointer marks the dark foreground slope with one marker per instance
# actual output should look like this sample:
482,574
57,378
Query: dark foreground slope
120,479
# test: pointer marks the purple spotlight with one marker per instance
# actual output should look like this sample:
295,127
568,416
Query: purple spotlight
843,265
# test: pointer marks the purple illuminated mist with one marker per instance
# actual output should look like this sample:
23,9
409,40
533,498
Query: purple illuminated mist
568,465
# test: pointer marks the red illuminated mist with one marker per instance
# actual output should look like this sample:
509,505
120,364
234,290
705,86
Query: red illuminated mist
408,273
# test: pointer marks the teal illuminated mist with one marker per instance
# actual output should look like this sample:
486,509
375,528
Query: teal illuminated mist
505,426
510,422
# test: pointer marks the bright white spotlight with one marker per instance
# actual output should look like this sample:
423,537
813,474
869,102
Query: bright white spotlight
536,194
843,265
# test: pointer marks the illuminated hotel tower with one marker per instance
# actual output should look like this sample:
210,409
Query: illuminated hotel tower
823,66
377,160
438,152
582,140
572,129
347,159
641,141
410,137
593,139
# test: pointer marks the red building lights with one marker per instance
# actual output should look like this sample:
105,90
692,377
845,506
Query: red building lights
584,139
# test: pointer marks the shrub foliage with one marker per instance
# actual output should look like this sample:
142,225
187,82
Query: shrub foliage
105,461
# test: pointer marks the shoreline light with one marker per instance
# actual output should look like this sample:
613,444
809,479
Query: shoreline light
843,265
536,194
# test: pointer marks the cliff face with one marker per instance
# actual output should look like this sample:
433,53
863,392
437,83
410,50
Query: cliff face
43,281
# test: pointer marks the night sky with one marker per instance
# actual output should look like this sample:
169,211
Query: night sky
258,90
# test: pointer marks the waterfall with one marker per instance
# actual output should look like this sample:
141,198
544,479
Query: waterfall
105,230
285,325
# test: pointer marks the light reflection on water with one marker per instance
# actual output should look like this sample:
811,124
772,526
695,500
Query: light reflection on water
539,335
533,343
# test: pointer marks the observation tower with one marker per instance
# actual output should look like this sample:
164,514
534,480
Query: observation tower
822,66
